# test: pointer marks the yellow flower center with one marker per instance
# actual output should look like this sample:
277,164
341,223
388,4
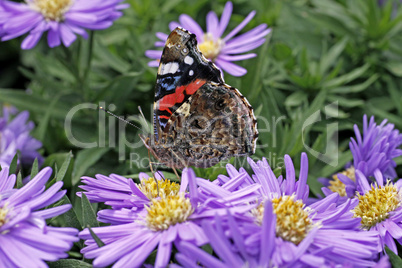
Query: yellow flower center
166,212
210,48
52,10
3,215
166,188
337,186
375,205
292,218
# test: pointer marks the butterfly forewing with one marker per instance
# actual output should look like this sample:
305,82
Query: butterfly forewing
181,72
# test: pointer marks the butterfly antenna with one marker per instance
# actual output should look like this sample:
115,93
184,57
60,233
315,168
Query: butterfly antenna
120,118
143,117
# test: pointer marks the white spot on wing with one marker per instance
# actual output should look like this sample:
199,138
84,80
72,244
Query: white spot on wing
190,73
188,60
174,67
167,68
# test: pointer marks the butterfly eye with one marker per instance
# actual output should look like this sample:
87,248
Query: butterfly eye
220,104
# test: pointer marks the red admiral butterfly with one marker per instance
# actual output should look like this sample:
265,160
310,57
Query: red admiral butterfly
198,119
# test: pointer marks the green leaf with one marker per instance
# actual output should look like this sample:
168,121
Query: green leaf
84,160
34,169
296,99
88,213
40,131
355,88
70,217
96,238
113,60
14,165
69,263
332,56
63,170
395,67
19,180
395,260
346,78
33,103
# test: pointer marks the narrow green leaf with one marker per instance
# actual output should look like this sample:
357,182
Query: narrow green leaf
69,263
70,217
332,56
40,131
395,260
24,101
19,180
88,213
355,88
96,238
85,159
34,169
63,170
346,78
14,165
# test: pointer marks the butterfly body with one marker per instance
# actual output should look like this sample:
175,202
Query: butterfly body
198,119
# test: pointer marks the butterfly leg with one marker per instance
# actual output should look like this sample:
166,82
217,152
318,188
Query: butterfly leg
177,175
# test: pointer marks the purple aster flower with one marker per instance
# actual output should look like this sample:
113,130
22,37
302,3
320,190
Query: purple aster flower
163,223
230,252
374,149
62,19
25,239
380,208
220,50
121,193
15,137
320,234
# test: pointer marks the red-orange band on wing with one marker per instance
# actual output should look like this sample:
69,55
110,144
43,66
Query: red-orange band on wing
178,97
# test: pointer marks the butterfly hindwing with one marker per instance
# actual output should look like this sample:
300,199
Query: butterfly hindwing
214,124
181,72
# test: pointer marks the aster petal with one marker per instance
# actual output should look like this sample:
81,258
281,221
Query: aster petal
188,23
153,54
173,25
362,181
249,37
137,258
67,35
231,68
153,64
268,229
240,26
237,57
15,249
53,38
203,257
31,40
226,14
79,18
53,212
32,187
212,24
164,252
244,48
394,229
6,182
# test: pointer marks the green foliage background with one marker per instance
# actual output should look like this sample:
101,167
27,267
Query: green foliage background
320,52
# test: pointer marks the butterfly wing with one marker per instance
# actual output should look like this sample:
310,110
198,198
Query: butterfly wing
215,123
182,71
